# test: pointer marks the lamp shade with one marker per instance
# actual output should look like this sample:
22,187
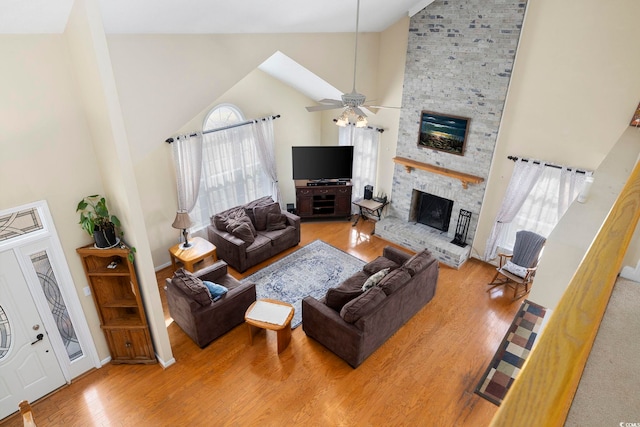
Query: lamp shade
182,221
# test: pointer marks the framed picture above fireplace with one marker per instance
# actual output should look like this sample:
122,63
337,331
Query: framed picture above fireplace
443,133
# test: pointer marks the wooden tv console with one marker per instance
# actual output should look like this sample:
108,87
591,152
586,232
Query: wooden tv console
323,200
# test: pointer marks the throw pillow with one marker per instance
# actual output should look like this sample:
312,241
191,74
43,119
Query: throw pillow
260,215
220,221
216,291
419,262
378,264
362,305
336,298
242,217
262,201
374,279
243,232
192,286
276,221
394,281
515,269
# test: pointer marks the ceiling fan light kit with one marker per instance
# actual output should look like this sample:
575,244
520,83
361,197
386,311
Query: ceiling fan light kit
351,102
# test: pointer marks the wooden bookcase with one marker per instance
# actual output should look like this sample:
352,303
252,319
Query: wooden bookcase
116,295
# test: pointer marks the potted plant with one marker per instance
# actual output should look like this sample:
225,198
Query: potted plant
97,222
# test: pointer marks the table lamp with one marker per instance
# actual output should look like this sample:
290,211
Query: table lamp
182,222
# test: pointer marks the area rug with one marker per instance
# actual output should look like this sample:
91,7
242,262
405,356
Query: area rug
310,270
512,353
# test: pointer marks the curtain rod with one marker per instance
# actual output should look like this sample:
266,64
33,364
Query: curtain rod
368,127
235,125
514,158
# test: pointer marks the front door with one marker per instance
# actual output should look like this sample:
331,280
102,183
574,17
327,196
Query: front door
29,368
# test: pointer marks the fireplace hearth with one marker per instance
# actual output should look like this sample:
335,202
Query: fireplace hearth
431,210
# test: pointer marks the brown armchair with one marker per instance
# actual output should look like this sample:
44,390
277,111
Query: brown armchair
205,323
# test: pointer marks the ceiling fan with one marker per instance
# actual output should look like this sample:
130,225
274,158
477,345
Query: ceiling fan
351,102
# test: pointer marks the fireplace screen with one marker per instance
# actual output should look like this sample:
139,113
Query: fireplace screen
431,210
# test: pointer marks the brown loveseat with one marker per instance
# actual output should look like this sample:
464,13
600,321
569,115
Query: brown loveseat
249,234
193,309
352,323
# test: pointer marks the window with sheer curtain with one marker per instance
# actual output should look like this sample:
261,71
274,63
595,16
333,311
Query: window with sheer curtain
365,156
549,199
232,173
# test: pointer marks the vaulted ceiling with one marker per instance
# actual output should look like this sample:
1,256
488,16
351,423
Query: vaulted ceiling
210,16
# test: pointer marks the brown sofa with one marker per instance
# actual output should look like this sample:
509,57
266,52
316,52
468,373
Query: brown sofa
352,323
249,234
192,308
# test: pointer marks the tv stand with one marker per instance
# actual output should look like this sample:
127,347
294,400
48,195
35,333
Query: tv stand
323,199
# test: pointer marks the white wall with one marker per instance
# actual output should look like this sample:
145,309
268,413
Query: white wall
45,145
574,88
166,83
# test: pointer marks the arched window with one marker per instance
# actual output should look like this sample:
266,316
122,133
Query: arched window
231,170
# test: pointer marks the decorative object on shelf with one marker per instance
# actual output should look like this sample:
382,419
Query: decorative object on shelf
182,222
635,121
462,228
443,133
96,220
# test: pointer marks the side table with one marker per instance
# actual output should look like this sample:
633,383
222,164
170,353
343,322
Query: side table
273,315
369,206
200,249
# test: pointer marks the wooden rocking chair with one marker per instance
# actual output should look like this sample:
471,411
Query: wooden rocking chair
518,269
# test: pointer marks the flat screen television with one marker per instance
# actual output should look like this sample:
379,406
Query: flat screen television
322,162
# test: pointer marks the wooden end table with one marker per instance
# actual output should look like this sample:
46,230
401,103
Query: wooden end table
282,329
200,249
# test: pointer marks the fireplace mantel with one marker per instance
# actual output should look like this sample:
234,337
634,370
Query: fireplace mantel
464,178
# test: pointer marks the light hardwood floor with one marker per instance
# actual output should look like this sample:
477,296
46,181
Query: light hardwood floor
423,375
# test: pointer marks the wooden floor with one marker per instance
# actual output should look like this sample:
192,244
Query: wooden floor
424,375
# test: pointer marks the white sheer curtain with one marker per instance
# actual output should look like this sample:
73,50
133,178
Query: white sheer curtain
525,175
187,159
548,200
232,173
571,183
265,145
365,156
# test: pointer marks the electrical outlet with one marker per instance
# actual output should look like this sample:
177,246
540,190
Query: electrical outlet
87,291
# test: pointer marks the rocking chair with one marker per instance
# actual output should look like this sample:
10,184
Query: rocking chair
518,269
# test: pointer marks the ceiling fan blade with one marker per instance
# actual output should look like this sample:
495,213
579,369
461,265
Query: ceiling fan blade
330,101
322,107
387,107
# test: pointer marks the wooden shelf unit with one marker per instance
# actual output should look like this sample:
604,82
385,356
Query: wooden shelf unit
116,294
324,201
464,178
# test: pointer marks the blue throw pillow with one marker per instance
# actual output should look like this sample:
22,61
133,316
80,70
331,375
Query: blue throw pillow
216,291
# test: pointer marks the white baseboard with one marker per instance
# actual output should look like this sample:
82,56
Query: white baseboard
166,364
631,273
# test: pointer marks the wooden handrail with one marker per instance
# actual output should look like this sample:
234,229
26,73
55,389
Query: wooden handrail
543,391
464,178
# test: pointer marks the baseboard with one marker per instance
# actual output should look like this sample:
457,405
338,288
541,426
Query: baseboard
165,364
631,273
161,266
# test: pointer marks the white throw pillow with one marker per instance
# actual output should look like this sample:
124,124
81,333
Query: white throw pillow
374,279
515,269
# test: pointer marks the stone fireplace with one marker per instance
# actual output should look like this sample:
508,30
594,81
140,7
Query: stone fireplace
431,210
458,63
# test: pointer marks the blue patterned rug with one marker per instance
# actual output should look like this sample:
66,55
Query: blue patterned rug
310,270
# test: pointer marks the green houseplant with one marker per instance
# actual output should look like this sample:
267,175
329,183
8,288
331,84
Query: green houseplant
96,220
